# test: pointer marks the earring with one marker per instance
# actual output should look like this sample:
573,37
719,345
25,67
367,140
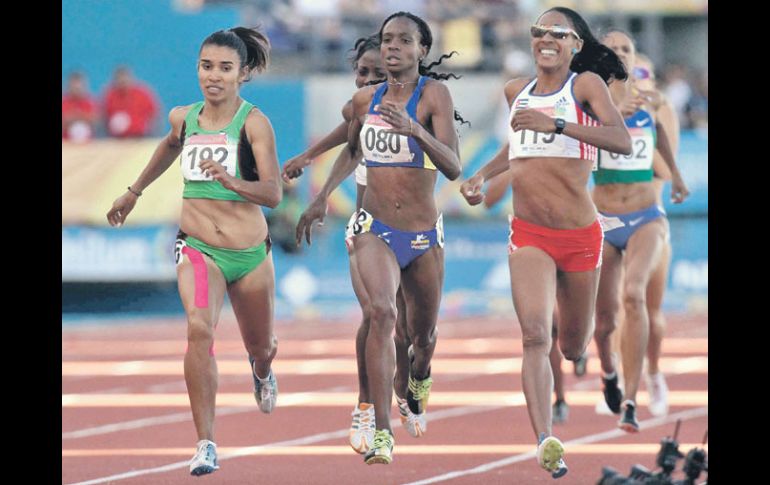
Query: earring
574,51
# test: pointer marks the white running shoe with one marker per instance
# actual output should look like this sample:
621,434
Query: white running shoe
205,459
658,391
265,390
362,429
416,424
550,456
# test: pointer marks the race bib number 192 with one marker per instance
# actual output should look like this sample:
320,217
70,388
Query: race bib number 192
207,147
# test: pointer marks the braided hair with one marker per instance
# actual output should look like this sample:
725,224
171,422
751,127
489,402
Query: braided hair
426,39
361,46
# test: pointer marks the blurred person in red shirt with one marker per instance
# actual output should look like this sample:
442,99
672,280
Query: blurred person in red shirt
79,109
131,106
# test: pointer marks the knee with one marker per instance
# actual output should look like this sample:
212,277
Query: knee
263,352
366,315
571,350
382,317
401,335
425,339
573,344
605,323
634,297
657,322
199,331
536,338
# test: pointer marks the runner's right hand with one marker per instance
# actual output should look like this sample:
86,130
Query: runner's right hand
315,211
471,190
122,206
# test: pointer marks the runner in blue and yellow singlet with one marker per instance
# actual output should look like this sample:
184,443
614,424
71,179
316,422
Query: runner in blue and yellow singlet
397,235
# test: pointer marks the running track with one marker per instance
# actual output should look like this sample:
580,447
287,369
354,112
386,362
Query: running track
126,418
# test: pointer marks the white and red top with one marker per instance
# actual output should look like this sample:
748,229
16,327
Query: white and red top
559,104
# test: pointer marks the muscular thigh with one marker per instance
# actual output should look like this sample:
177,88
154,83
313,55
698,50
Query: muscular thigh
533,285
196,280
252,298
611,274
377,268
576,294
656,287
421,283
643,252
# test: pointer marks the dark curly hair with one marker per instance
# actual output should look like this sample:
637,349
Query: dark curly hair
426,39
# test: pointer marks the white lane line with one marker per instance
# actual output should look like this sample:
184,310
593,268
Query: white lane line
165,419
307,440
144,423
650,423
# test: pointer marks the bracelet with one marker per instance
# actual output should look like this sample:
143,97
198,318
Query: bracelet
133,191
410,126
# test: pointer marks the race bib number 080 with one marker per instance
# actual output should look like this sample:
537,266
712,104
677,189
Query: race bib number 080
378,145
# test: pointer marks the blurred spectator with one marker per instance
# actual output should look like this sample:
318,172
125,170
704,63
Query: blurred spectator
130,106
517,63
697,107
79,109
677,89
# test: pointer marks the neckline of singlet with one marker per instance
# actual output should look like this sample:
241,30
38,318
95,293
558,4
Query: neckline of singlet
224,128
413,98
534,83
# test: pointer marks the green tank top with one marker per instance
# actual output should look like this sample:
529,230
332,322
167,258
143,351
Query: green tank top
221,146
637,167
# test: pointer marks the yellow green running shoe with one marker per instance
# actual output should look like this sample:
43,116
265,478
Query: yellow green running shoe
382,449
550,456
417,391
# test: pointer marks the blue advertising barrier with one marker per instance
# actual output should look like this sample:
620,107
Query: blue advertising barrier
315,282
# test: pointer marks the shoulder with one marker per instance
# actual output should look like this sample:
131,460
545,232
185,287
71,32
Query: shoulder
347,110
514,86
588,85
363,97
435,86
257,121
365,93
589,80
436,94
178,113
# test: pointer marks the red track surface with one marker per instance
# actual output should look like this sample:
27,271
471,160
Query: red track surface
105,443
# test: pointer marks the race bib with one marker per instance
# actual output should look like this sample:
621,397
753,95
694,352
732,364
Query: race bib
528,143
379,146
359,223
207,147
642,149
